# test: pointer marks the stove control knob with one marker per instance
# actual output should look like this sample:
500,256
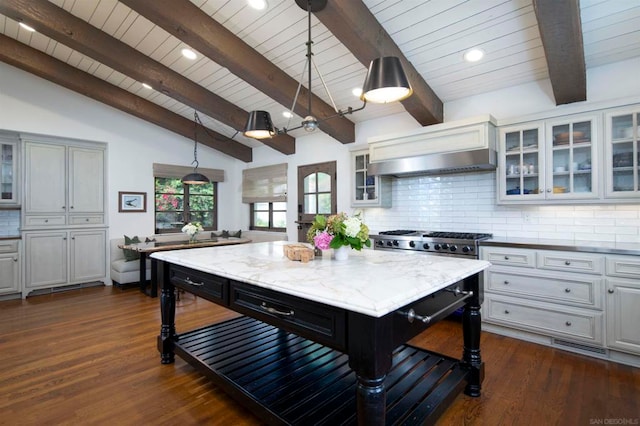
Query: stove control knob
395,243
453,248
445,246
425,246
412,244
436,246
389,243
379,243
466,249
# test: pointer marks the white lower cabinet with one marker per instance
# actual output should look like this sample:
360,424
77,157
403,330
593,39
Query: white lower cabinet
9,267
59,258
584,302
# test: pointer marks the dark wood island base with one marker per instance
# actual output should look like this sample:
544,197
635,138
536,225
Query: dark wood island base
293,361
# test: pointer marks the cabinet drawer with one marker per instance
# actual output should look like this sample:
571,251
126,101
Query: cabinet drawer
545,318
319,322
581,290
571,262
9,246
623,266
86,220
45,220
509,256
210,287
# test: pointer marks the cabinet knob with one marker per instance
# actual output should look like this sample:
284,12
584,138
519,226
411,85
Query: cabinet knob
568,323
506,282
71,207
64,238
566,262
64,207
506,258
506,311
15,259
567,290
46,221
548,190
610,291
73,238
86,220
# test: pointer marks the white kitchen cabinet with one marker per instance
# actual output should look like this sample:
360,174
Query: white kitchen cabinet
64,184
9,182
623,303
9,267
368,191
549,161
64,257
622,154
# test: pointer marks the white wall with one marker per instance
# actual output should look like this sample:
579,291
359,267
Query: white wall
31,104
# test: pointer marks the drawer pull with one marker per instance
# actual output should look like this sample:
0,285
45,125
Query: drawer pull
568,323
275,311
506,258
610,291
506,282
566,262
46,220
567,290
188,281
411,314
506,311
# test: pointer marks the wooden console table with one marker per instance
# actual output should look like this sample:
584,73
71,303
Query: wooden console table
156,246
323,342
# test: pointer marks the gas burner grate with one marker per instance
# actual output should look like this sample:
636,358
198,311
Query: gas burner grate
458,235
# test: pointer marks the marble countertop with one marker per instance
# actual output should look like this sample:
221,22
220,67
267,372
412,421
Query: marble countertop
565,245
372,282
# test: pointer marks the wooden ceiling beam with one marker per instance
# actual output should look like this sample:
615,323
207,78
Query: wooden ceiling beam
38,63
213,40
357,28
561,33
75,33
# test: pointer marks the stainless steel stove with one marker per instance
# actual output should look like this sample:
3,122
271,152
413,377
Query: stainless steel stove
458,244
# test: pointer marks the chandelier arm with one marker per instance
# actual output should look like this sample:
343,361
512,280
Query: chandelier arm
326,89
295,98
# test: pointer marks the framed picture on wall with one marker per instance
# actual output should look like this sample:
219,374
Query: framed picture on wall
132,202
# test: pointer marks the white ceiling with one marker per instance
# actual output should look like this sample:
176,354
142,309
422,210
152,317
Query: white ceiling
432,34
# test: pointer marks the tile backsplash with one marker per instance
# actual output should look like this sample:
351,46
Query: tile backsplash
467,202
9,223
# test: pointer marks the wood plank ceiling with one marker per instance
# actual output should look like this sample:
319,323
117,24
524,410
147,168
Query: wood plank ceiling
249,59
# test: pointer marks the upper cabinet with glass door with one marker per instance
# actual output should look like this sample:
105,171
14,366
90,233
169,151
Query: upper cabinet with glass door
9,169
622,154
521,163
368,191
572,159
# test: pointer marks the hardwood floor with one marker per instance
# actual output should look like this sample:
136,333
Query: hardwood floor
88,357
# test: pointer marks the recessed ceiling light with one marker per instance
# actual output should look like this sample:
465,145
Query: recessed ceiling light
189,54
258,4
473,55
147,86
287,114
357,92
26,27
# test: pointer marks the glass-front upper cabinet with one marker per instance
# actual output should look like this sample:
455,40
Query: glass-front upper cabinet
572,159
8,169
521,163
368,191
622,154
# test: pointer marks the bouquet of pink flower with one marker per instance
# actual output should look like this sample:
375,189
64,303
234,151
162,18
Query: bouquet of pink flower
338,230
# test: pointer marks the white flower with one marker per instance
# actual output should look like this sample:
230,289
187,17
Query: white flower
192,229
352,226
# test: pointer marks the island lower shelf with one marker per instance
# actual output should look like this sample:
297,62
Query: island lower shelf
288,380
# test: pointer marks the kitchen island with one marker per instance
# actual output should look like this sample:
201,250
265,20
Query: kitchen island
324,340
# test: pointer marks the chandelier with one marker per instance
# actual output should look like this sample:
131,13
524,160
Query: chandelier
385,82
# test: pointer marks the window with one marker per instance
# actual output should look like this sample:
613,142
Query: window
177,203
265,190
269,216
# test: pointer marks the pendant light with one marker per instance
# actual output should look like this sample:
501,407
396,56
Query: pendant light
385,82
195,178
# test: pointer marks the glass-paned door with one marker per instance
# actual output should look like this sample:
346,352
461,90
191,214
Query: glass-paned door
316,194
7,170
521,165
623,155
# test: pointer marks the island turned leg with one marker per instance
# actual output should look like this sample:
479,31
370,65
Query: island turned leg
471,326
168,315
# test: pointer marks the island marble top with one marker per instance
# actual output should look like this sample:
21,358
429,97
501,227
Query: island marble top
371,282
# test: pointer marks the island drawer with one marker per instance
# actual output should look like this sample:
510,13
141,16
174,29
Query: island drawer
581,290
548,318
208,286
309,319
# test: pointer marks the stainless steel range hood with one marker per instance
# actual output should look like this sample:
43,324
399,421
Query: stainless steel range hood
463,146
479,160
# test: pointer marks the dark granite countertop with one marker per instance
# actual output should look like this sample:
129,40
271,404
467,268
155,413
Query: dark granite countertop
566,245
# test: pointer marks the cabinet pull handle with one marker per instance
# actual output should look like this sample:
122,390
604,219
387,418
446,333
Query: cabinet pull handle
71,207
566,262
46,221
610,291
506,311
188,281
275,311
506,258
64,207
568,323
506,282
64,238
567,290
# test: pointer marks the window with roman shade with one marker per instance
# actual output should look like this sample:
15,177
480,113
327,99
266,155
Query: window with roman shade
265,190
